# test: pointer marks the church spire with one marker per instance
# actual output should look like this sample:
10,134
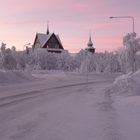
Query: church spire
90,44
48,28
90,47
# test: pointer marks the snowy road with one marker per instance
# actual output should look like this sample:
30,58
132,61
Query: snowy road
59,109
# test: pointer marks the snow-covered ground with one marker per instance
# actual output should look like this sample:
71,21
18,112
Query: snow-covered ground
13,77
62,106
125,92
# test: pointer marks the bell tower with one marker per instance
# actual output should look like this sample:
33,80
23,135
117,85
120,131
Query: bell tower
90,47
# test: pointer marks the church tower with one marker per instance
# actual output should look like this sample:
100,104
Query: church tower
47,29
90,47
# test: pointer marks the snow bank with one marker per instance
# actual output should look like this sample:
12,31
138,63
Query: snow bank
128,84
11,77
49,73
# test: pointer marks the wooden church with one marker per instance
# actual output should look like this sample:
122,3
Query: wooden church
50,41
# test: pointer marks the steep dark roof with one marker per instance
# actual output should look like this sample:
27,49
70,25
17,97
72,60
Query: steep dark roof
44,38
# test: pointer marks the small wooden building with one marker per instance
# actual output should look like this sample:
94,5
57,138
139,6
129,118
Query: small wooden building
50,41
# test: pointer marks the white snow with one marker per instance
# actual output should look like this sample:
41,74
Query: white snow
12,77
129,84
126,95
128,114
62,106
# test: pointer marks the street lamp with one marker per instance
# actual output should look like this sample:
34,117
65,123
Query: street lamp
132,18
133,23
26,45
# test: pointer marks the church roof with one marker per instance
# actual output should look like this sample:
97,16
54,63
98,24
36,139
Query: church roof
43,38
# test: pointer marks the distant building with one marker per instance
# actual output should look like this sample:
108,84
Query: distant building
90,47
50,41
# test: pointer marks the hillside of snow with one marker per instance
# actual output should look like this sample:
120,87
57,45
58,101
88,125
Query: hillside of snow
13,77
127,84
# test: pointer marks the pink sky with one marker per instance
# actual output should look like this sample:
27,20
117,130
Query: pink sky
71,19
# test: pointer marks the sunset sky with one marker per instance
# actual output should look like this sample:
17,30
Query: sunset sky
71,19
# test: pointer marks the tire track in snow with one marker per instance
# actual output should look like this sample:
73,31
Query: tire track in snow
16,101
20,97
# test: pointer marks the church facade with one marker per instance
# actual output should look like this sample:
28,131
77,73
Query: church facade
50,41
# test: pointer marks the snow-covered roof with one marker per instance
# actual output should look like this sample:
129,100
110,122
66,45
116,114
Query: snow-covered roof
59,39
43,38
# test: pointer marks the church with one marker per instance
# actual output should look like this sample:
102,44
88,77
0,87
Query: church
50,41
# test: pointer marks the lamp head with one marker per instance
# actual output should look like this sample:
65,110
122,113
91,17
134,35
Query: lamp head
111,17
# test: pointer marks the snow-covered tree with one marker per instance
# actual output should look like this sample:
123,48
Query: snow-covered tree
132,47
8,61
13,48
3,47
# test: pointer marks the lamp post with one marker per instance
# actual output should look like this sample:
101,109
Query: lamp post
130,17
133,29
26,45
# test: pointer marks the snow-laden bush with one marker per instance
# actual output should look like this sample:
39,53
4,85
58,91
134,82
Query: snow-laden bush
7,60
126,84
44,60
98,62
